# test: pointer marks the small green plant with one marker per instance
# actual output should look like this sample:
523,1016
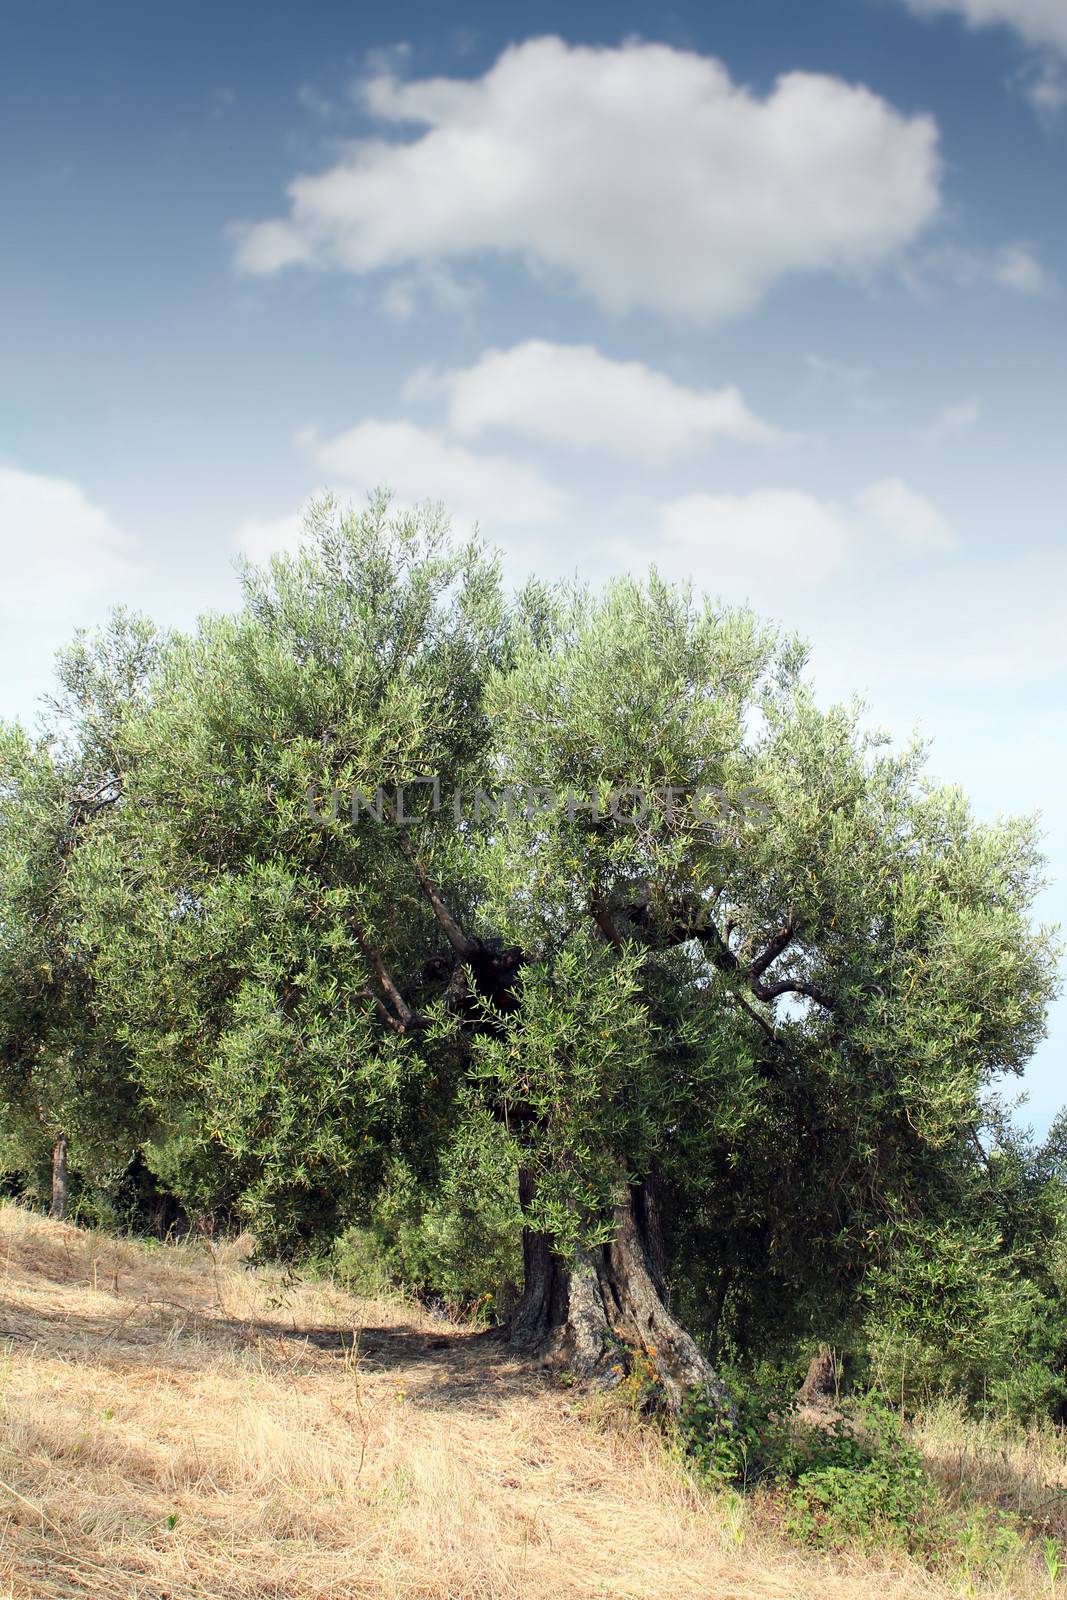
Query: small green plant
988,1543
754,1443
885,1502
860,1484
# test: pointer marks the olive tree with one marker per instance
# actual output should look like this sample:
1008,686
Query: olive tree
64,1067
401,853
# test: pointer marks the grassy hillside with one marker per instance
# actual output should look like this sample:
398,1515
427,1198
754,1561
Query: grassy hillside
174,1425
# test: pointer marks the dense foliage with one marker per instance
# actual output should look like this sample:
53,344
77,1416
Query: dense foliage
660,925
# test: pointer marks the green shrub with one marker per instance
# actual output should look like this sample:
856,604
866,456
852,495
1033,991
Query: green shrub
842,1483
458,1243
861,1485
755,1443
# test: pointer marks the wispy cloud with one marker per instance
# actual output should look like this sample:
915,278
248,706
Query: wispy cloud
774,534
1038,22
1041,24
420,463
1016,267
1043,82
960,416
319,104
66,561
826,375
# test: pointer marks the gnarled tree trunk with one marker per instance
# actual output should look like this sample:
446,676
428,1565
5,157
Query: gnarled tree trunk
58,1208
576,1313
821,1383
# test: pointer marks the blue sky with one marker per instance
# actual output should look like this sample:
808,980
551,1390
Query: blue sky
769,294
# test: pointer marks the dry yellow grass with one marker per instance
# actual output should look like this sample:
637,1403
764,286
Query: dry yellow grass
174,1425
996,1463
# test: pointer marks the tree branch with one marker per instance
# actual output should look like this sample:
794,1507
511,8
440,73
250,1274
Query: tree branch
402,1019
797,986
679,928
461,944
602,918
758,966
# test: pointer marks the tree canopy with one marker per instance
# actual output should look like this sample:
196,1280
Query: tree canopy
393,864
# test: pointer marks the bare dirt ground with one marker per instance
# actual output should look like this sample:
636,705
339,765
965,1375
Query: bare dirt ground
174,1425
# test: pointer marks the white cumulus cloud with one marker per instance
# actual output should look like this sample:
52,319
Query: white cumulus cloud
641,174
574,397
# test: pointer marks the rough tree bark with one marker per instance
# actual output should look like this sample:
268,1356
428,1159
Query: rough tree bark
577,1313
58,1208
820,1385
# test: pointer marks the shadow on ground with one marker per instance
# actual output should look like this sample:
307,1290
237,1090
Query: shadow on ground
465,1371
